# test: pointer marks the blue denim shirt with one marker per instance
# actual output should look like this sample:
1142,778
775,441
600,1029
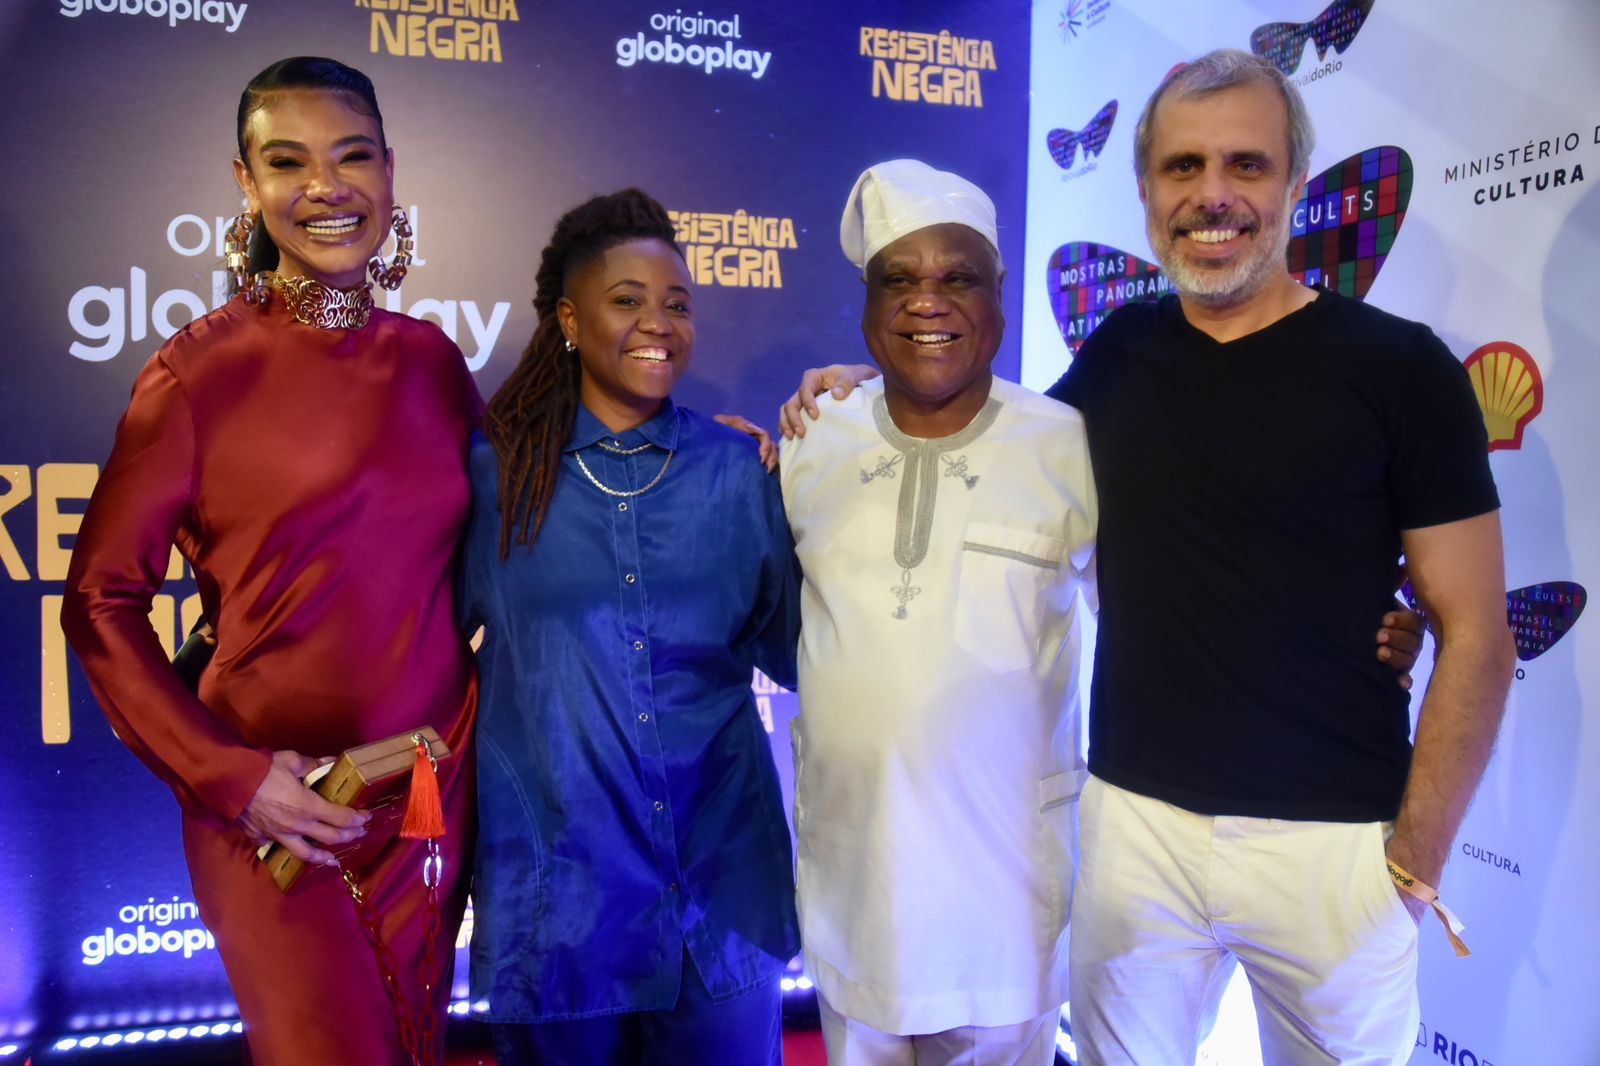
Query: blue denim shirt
628,804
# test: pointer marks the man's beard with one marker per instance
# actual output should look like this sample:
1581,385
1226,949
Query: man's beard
1247,273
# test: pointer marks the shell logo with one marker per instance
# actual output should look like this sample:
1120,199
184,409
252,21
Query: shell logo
1509,389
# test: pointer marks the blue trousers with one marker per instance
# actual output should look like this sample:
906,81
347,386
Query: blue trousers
746,1030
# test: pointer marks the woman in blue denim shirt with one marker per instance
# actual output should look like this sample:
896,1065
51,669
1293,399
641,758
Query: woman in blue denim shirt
631,563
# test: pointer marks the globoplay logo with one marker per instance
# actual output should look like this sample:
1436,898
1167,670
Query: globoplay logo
693,50
174,13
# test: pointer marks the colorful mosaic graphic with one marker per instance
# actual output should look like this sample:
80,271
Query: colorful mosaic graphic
1344,226
1509,389
1089,281
1064,143
1539,615
1283,44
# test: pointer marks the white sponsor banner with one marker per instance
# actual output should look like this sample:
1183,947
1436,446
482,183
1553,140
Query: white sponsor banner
1497,109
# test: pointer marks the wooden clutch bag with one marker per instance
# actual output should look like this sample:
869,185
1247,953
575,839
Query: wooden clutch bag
374,777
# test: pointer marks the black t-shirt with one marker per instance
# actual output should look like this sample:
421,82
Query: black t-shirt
1252,496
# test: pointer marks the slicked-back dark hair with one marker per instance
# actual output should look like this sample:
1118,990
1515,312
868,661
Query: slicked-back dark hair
300,72
530,417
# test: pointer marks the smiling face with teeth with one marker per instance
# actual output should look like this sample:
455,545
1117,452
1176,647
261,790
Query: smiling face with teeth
322,180
1218,192
933,323
628,310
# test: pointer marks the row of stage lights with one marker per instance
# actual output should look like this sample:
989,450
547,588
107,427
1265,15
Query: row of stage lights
460,1008
125,1038
141,1036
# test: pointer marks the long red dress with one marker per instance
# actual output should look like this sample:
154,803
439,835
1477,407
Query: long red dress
316,481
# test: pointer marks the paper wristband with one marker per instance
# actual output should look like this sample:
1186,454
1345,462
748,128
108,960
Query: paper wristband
1430,895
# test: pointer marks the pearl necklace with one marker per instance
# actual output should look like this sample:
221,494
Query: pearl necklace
607,489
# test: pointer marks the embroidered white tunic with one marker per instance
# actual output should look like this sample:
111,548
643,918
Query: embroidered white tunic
937,749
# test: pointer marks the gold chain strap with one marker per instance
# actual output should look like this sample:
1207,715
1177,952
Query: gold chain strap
417,1029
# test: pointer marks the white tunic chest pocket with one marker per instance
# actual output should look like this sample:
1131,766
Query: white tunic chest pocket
1006,575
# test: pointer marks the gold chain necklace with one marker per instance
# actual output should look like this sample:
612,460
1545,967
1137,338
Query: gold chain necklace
607,489
314,304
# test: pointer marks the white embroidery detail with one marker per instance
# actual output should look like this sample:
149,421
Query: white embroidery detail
957,467
904,592
885,468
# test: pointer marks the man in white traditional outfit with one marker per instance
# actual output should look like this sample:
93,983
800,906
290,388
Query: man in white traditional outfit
945,519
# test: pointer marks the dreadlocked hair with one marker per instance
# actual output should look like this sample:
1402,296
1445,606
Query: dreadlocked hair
530,417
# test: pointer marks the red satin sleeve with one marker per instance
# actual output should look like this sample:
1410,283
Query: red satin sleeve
118,563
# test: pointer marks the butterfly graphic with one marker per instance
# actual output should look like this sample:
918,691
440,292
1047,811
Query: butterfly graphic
1341,230
1539,615
1089,281
1284,43
1064,143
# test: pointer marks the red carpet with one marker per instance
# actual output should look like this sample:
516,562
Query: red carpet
803,1047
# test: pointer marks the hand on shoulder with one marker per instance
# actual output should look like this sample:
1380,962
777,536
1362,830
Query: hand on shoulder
839,380
767,449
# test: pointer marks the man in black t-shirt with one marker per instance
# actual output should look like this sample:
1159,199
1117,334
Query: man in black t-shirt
1267,451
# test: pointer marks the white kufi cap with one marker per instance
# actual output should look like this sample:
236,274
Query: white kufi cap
902,196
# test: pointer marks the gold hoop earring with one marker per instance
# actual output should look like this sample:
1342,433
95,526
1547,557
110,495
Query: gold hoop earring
236,256
390,275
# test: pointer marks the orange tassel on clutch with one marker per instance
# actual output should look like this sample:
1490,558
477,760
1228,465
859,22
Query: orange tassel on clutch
424,810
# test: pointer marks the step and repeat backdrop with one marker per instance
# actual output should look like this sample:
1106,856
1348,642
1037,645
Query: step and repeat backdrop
1456,180
749,121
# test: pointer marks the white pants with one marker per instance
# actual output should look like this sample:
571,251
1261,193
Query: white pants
1168,900
852,1043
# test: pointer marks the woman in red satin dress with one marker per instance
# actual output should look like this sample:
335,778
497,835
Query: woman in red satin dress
307,455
